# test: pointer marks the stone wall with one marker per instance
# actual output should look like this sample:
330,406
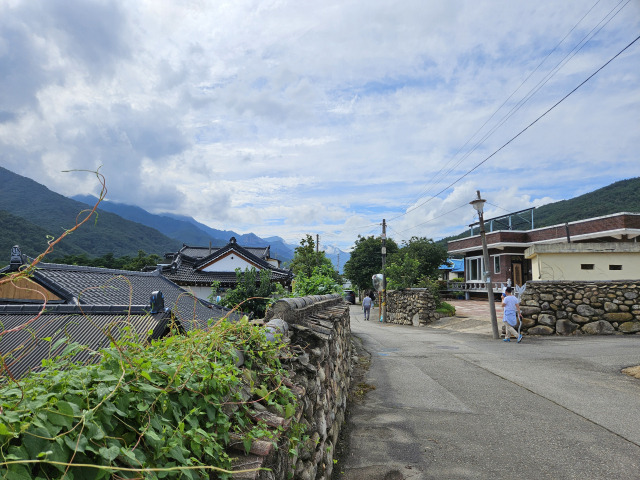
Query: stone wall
320,338
403,305
573,307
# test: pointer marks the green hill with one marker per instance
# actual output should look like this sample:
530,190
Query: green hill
622,196
32,212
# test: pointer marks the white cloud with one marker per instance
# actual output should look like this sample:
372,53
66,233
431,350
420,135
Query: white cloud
285,118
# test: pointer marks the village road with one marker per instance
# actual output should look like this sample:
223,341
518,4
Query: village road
452,403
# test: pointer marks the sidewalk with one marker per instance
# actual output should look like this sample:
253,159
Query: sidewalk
472,316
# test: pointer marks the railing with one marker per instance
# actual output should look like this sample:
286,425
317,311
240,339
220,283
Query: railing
474,286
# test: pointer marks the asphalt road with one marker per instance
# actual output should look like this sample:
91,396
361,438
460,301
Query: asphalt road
456,405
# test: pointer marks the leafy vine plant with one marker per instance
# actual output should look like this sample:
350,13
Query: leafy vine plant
165,409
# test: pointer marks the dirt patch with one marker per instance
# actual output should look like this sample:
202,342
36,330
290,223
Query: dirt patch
632,371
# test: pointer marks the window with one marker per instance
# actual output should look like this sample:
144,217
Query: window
474,269
615,267
496,264
587,266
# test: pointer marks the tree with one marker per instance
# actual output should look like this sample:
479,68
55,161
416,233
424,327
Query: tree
306,259
366,260
429,254
403,272
252,292
321,282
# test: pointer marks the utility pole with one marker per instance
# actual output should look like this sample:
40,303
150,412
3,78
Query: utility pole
383,300
478,204
317,242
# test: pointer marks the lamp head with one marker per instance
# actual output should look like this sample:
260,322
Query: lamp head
478,204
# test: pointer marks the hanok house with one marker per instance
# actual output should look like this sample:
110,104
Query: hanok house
600,248
60,304
196,268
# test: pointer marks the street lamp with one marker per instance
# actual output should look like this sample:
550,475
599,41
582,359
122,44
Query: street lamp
478,204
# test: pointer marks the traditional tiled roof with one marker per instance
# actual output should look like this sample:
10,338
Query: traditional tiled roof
187,269
102,287
29,334
202,252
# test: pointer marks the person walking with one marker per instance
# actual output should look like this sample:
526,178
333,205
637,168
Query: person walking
366,307
511,307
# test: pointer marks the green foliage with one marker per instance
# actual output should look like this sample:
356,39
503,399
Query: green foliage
321,282
110,261
429,254
446,308
160,411
306,259
366,260
403,272
215,289
252,293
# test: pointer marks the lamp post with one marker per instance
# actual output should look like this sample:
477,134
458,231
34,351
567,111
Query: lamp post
478,204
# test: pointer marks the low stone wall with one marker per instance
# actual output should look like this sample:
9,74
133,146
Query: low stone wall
573,307
320,339
403,305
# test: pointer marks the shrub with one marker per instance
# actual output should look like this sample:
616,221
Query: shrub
158,411
446,308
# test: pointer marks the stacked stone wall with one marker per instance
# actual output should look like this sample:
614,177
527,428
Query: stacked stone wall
573,307
403,305
320,339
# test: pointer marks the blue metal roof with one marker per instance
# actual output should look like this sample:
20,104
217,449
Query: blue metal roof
455,265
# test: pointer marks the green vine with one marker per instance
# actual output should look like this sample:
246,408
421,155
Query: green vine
165,410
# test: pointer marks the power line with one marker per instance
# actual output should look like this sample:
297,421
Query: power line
441,173
524,129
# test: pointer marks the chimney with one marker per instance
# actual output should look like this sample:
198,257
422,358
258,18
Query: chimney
157,302
17,260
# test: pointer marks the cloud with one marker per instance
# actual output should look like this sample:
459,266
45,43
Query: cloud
284,118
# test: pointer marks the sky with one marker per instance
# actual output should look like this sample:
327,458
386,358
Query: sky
291,117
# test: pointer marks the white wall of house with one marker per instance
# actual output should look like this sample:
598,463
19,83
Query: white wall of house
229,264
200,292
585,261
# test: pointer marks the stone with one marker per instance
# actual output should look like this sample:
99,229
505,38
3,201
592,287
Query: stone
528,322
619,317
630,295
610,307
546,319
585,310
547,297
540,330
629,327
601,327
565,327
528,311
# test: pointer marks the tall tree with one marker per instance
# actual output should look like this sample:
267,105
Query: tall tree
306,259
429,254
366,260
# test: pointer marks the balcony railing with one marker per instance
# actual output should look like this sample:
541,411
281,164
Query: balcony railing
473,286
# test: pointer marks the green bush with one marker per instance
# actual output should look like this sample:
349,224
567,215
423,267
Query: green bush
446,308
158,411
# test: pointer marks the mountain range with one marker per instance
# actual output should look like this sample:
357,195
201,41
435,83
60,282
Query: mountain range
31,214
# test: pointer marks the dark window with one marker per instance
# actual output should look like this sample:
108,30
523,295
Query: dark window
615,267
587,266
